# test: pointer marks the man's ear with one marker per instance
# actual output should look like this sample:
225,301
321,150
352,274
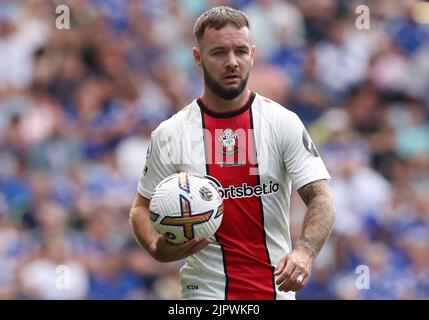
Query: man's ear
197,57
252,50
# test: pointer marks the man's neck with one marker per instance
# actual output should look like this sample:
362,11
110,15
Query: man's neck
217,104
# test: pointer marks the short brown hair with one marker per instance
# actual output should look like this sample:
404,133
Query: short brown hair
217,18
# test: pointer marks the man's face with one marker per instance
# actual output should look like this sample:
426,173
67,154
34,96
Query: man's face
225,56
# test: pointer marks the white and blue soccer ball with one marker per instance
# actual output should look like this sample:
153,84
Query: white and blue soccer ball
186,206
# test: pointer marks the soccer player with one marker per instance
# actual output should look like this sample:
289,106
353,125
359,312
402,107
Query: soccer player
256,149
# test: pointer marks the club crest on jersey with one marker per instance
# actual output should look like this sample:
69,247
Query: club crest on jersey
229,141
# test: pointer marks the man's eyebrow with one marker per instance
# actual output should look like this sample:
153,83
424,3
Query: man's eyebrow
217,48
241,47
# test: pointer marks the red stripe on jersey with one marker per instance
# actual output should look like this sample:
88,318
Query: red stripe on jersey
248,270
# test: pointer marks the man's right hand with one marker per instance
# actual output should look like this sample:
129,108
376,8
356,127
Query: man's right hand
164,251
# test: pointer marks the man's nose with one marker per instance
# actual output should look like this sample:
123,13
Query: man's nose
231,62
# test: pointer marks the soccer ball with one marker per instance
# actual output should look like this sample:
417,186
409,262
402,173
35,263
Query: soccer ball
186,206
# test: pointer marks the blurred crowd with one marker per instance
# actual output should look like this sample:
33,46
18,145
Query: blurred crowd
77,107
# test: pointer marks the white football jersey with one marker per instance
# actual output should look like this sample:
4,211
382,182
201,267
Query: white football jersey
256,153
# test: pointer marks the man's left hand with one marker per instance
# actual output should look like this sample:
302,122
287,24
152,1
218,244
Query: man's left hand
293,271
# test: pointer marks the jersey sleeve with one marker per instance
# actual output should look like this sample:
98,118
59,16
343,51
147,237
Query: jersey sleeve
302,160
159,164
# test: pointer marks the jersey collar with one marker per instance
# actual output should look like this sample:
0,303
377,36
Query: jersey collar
235,113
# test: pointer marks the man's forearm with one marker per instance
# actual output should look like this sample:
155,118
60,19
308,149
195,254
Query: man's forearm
319,218
142,228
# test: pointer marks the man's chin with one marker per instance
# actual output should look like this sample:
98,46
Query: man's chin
231,88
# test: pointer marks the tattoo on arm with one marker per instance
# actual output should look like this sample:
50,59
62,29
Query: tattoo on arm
320,215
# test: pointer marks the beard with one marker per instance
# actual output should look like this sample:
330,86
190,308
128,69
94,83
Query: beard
219,90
